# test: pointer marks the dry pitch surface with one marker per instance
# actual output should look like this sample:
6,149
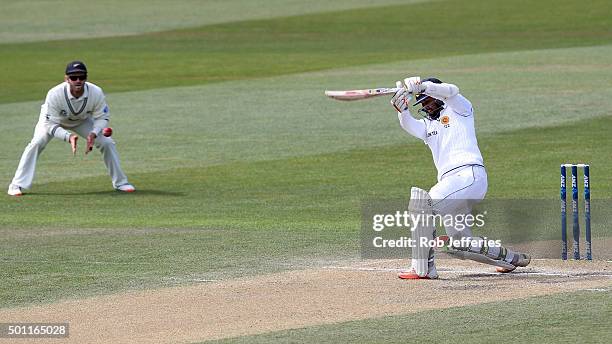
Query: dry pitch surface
299,298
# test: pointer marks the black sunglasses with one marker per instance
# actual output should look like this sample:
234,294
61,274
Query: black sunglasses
77,77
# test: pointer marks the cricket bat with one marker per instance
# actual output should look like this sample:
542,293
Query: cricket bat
360,94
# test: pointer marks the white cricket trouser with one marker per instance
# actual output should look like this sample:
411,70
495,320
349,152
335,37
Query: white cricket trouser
456,194
27,165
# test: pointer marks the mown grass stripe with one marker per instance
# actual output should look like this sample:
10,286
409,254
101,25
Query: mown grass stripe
310,192
21,21
262,48
288,116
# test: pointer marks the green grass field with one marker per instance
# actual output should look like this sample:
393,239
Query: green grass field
243,167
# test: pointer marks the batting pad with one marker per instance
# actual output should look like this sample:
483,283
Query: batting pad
420,207
496,256
481,258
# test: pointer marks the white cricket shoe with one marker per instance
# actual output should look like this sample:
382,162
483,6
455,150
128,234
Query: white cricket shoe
432,273
14,190
126,188
412,274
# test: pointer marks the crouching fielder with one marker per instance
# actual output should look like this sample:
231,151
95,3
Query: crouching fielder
447,127
74,106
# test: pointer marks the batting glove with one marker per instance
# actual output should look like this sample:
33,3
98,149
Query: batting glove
400,98
414,85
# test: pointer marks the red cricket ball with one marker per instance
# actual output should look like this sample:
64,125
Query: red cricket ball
107,132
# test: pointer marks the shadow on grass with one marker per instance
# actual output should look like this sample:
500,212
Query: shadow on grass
114,193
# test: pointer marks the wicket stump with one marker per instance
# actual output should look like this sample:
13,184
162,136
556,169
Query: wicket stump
575,211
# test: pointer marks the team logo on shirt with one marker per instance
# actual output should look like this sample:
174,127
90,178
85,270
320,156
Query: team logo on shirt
63,113
445,120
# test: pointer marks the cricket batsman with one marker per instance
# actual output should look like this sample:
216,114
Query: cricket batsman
447,128
74,106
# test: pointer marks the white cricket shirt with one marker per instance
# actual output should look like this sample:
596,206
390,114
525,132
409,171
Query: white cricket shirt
452,137
62,108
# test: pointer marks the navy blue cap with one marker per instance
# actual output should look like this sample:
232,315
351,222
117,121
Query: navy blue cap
76,67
